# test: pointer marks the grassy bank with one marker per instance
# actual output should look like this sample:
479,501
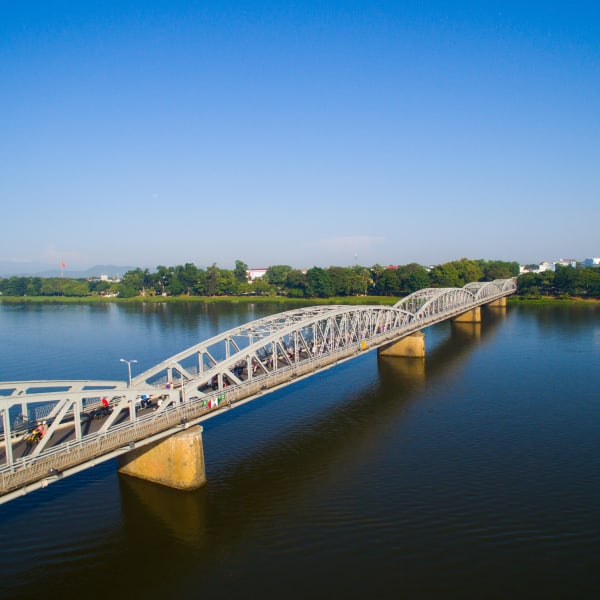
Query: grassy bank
351,300
542,300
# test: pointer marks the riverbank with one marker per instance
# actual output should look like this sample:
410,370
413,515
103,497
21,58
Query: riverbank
552,300
283,300
350,300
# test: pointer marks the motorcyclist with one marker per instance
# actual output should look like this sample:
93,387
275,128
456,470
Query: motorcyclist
40,430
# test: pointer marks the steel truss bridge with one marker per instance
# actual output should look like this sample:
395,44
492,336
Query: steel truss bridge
233,367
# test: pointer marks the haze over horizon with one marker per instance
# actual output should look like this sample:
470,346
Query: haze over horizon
308,134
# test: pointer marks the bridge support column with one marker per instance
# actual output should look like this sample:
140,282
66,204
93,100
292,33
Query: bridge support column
471,316
177,461
500,302
412,345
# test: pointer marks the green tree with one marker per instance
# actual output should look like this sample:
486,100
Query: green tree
376,272
468,271
14,286
199,286
127,290
75,288
175,287
34,285
296,284
576,281
227,284
276,275
133,281
99,286
444,275
456,273
241,271
498,269
187,276
52,286
534,284
360,279
417,279
318,283
211,280
340,280
590,281
162,279
388,283
261,287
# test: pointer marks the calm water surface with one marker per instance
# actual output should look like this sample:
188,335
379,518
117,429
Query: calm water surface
475,474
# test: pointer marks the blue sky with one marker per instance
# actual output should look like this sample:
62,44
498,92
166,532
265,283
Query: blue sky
301,133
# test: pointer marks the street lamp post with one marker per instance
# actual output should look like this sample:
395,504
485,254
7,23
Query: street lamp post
128,368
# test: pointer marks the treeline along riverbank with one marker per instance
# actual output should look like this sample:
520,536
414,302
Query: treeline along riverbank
334,284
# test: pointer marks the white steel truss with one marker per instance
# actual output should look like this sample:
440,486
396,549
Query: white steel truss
237,365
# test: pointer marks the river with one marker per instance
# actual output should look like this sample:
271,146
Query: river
472,474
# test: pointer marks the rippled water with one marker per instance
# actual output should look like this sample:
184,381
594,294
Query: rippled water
472,475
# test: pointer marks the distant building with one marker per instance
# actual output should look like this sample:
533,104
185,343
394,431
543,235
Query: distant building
253,274
591,262
544,266
565,262
105,277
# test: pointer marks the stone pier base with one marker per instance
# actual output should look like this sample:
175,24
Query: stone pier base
471,316
501,303
176,461
412,345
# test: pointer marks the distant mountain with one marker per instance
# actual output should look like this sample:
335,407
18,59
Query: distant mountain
109,270
8,269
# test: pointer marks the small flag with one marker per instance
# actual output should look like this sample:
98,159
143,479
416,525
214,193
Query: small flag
62,264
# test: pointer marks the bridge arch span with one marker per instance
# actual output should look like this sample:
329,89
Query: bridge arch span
430,301
259,348
489,289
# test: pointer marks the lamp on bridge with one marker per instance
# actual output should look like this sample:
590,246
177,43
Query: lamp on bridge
128,368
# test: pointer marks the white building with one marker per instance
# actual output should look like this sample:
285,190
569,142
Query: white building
544,266
253,274
565,262
591,262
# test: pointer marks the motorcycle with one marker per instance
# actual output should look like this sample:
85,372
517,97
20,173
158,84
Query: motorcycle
97,413
33,439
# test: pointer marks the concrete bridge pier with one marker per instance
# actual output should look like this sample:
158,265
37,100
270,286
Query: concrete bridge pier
471,316
176,461
499,303
410,346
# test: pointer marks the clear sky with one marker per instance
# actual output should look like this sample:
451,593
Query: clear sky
306,133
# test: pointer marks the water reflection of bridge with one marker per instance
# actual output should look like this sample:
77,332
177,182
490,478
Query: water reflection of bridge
236,366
